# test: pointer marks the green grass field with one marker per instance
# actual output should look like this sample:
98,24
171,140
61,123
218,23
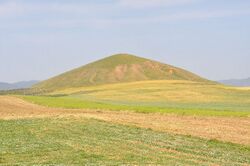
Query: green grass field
80,141
180,109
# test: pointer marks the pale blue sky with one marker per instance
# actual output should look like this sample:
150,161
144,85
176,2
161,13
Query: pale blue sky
42,38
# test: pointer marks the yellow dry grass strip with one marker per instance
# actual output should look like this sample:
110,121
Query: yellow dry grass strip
235,130
231,129
161,91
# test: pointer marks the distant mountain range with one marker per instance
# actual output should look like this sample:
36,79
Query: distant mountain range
17,85
236,82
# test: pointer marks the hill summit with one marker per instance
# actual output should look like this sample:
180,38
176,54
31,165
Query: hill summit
117,69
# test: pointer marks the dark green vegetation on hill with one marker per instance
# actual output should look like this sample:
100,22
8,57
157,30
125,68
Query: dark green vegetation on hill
116,69
80,141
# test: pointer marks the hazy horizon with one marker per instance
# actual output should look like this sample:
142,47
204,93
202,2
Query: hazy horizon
42,39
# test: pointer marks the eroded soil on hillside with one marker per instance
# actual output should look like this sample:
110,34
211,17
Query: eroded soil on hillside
230,129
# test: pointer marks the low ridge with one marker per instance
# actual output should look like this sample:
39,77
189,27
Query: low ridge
116,69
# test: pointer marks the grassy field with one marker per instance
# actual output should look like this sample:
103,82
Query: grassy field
224,128
163,91
79,141
70,102
148,122
180,97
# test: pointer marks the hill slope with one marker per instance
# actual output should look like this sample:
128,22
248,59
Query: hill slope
116,69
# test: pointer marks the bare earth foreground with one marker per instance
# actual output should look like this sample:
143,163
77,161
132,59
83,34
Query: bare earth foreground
229,129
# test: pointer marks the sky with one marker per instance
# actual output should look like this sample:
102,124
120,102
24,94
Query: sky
42,38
